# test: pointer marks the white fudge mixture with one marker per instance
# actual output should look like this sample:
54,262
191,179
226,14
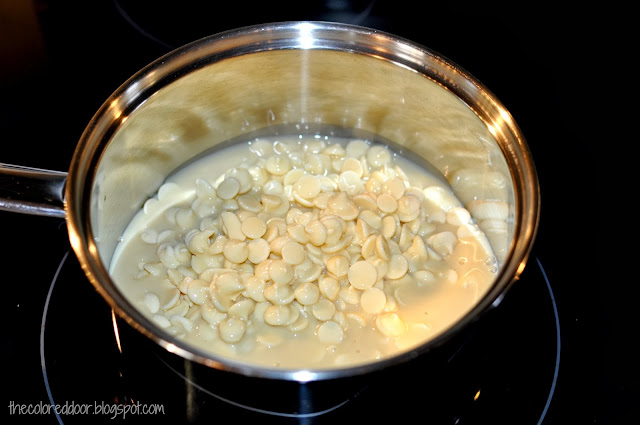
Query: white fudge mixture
304,252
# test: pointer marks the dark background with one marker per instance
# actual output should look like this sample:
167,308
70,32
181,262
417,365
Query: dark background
59,60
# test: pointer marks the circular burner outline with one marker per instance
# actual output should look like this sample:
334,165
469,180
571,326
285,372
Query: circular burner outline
42,328
314,414
255,409
558,345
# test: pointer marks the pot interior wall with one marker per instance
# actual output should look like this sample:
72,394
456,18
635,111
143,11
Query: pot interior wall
302,88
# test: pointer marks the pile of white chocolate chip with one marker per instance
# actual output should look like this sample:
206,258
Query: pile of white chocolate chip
308,236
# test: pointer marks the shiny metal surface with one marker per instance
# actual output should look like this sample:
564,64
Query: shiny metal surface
301,74
32,191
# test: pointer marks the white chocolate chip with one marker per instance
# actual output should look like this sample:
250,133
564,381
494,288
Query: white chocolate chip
391,325
232,329
442,243
259,250
161,321
229,284
279,294
242,309
232,226
398,267
150,236
254,227
387,203
372,219
342,206
350,183
308,187
235,251
378,156
198,291
488,209
338,265
323,310
329,288
228,188
293,253
281,272
362,275
307,293
277,315
182,321
458,216
394,187
356,148
278,165
244,179
389,226
330,333
373,300
152,302
408,207
354,165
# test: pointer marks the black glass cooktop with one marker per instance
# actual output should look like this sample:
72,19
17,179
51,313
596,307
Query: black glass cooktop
548,354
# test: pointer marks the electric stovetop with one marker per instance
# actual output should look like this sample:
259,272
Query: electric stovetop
543,356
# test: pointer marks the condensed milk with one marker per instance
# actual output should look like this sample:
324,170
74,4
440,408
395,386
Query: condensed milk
304,252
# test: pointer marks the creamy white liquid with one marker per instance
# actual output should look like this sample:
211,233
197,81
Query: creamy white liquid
435,292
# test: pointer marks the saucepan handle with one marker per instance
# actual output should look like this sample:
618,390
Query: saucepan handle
32,190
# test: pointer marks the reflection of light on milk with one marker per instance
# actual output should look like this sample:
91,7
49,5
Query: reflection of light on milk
472,280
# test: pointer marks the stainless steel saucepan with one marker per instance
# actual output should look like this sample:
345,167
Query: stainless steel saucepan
294,75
